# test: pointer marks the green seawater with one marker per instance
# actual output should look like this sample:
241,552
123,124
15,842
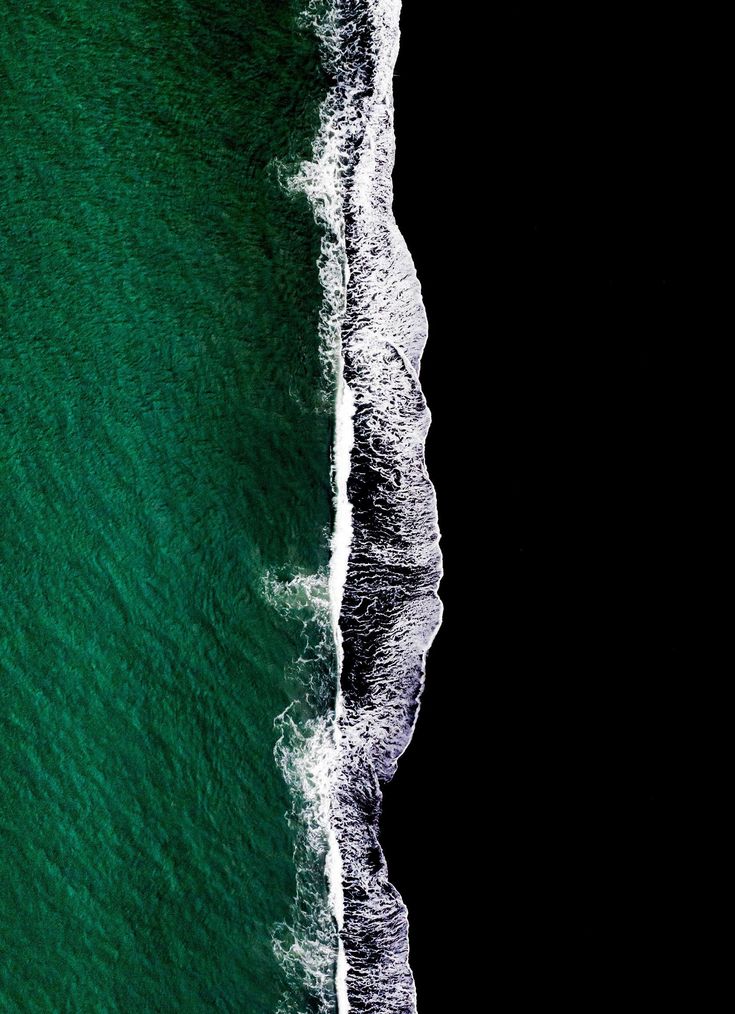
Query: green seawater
164,446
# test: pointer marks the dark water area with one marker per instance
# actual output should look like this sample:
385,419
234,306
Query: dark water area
545,189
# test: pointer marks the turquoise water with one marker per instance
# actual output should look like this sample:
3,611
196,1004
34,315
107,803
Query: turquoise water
164,452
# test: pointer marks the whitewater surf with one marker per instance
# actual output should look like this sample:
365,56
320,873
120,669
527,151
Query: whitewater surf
386,562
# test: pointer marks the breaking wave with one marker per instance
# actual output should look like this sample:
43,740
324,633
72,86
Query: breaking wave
383,607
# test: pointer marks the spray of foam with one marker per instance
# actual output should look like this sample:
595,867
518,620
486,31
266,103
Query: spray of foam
305,751
383,608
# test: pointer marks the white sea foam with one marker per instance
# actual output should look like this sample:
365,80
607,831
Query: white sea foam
306,753
385,562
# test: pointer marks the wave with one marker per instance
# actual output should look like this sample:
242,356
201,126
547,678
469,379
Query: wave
385,562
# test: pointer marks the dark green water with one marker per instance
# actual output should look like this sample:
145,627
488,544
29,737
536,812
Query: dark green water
162,446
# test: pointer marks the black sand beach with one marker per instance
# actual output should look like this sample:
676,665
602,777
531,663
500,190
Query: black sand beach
546,792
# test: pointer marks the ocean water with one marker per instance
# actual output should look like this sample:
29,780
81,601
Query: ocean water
219,545
165,434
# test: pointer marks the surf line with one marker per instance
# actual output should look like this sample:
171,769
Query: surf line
385,565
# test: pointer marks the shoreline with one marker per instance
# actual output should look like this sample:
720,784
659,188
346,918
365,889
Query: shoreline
385,567
391,610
